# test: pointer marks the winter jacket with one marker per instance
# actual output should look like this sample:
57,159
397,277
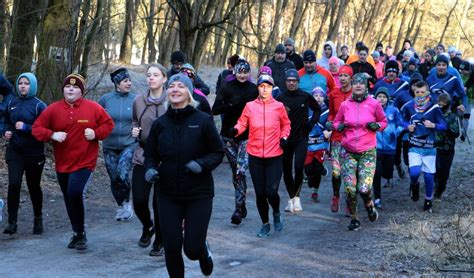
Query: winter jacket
221,80
320,77
316,140
387,138
335,76
445,141
297,104
422,137
451,70
203,103
449,84
120,108
76,152
379,70
267,122
356,137
456,62
393,87
6,91
355,58
176,138
198,82
359,67
231,101
145,112
296,59
324,61
400,54
24,109
278,70
425,68
336,98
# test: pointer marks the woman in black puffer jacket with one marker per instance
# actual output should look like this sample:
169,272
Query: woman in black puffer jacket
182,150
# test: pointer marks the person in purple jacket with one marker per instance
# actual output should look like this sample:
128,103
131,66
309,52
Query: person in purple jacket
359,118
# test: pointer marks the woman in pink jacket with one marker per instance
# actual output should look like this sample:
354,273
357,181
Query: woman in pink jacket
269,128
359,118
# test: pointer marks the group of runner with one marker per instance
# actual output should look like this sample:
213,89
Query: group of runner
361,112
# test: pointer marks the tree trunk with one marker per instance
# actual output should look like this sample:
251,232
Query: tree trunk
317,39
150,33
334,28
86,10
462,24
91,37
2,33
448,20
126,45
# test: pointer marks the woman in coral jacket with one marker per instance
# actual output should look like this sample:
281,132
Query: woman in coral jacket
269,128
359,118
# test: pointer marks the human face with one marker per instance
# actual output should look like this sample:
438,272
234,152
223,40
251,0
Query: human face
439,50
411,67
327,51
334,67
155,78
309,66
388,51
379,49
23,86
265,91
441,68
345,79
406,45
289,48
319,98
442,104
291,84
359,88
242,76
382,99
421,92
177,66
363,56
72,93
280,57
391,75
344,51
428,57
452,54
124,85
376,59
178,95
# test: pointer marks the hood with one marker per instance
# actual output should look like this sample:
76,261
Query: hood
33,84
333,47
5,86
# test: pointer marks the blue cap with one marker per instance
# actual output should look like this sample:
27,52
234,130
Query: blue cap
292,73
180,77
265,79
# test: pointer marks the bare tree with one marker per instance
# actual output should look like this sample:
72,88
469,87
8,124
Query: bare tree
126,46
3,29
91,35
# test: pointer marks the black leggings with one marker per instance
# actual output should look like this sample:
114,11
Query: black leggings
297,150
74,185
197,214
313,171
402,148
33,168
266,175
141,196
383,169
444,160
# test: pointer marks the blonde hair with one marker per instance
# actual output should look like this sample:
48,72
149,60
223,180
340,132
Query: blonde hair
158,66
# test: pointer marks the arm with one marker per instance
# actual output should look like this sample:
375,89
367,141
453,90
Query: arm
40,107
285,124
198,83
105,124
213,143
380,117
313,105
243,122
41,127
152,152
339,119
220,105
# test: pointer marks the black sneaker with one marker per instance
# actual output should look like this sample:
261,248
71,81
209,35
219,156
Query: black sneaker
428,205
415,191
156,250
81,242
145,239
372,213
10,229
277,222
38,226
73,241
324,171
243,211
354,225
206,263
236,218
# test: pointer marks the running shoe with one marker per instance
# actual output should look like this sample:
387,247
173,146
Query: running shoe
290,207
415,191
378,203
145,239
354,225
264,231
277,222
372,213
428,206
127,211
10,229
156,250
335,204
206,263
38,226
236,217
297,205
315,197
119,213
81,242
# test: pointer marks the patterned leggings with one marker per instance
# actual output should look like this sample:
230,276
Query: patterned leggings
358,171
119,164
336,149
238,158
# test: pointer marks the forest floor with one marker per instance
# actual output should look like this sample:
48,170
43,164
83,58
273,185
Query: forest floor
405,241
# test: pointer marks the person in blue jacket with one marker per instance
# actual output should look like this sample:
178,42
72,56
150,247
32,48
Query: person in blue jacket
7,94
391,81
24,154
386,144
318,145
119,146
422,118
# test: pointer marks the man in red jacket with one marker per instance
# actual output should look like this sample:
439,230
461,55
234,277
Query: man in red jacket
75,125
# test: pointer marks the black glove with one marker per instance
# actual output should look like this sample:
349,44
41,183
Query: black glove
193,166
151,175
373,126
341,127
329,126
283,143
233,131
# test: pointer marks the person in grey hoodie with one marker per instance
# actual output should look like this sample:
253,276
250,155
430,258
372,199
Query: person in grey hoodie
329,50
119,146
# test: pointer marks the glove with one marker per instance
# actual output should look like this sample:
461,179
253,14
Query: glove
283,143
151,175
233,131
193,166
329,126
341,127
373,126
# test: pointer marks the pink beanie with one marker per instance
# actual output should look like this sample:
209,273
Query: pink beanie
334,60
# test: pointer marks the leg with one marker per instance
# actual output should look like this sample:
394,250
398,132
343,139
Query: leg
336,167
429,168
111,158
16,167
288,154
300,155
76,191
141,193
415,162
443,168
378,176
365,173
348,171
241,176
124,167
197,215
273,172
256,168
33,173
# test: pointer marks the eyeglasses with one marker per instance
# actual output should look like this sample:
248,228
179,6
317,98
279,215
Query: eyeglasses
288,45
292,80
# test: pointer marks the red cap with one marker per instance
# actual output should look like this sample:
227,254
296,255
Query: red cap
346,69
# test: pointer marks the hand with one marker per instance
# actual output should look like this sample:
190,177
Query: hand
233,131
151,175
330,126
411,128
283,143
59,136
461,108
429,124
136,131
372,126
19,125
8,135
341,127
89,133
193,166
327,134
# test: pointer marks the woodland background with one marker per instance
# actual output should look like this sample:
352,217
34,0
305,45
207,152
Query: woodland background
56,37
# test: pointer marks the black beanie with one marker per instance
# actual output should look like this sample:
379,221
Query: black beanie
177,57
379,44
280,48
391,65
415,77
442,59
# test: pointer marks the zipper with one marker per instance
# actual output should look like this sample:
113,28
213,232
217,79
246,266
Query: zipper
358,122
120,119
263,143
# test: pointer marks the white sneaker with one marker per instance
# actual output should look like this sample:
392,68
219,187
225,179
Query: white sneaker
1,210
119,213
297,204
289,207
127,211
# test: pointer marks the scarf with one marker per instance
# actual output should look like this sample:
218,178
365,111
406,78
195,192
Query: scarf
360,98
421,103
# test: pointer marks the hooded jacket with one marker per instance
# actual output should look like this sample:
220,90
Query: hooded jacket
321,77
450,84
24,109
324,61
7,94
279,70
393,86
387,138
316,140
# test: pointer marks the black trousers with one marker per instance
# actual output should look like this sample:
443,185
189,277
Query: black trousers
296,150
383,169
402,148
141,199
444,161
197,214
32,167
313,171
74,185
266,175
